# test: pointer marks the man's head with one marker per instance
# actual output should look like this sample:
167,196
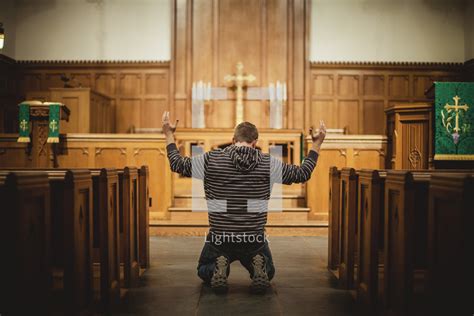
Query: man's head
246,134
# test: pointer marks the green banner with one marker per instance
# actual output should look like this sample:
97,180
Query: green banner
24,123
53,133
454,121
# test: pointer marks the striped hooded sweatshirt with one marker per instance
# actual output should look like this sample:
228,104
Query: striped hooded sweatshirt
237,184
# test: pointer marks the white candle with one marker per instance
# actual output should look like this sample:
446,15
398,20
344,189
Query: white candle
193,92
278,91
271,92
200,91
208,97
284,92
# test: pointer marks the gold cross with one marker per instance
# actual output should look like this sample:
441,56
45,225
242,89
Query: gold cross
23,125
53,125
456,107
240,80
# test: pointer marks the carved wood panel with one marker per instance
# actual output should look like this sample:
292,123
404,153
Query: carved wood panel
415,144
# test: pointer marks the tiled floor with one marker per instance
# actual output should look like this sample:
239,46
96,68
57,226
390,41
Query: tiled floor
302,285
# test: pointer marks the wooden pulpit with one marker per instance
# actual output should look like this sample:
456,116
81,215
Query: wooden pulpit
41,153
409,135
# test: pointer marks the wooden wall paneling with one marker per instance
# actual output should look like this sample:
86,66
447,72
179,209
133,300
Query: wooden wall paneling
277,42
30,82
151,111
469,70
348,85
82,79
179,61
8,94
348,115
421,82
202,40
52,79
381,85
120,81
372,111
239,40
127,114
106,82
268,37
374,85
205,58
156,83
130,83
399,86
378,83
300,57
323,84
324,109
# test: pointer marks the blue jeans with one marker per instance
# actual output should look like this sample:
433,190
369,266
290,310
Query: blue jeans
244,252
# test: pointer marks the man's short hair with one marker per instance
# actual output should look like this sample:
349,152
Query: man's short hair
245,132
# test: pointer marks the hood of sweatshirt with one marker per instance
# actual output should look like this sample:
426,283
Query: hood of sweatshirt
244,158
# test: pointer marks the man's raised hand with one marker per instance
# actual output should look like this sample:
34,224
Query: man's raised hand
168,128
318,135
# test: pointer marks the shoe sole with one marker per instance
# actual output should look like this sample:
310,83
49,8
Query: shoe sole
219,279
260,282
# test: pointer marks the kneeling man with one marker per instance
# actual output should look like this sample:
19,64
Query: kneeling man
237,184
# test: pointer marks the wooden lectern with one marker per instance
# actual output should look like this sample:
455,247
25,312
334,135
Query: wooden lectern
41,153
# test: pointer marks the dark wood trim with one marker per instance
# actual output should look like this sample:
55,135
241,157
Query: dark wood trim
5,60
469,70
38,64
387,65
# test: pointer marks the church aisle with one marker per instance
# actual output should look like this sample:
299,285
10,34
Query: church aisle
302,284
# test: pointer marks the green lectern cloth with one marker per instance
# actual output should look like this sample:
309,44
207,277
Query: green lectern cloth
24,123
454,121
53,132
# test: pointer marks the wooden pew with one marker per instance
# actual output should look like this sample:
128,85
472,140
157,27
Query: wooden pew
450,244
129,221
348,224
405,206
106,234
127,211
125,195
370,213
71,234
25,239
71,201
371,231
144,215
334,213
405,244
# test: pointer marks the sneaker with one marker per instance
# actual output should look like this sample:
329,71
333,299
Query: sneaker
219,278
260,281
